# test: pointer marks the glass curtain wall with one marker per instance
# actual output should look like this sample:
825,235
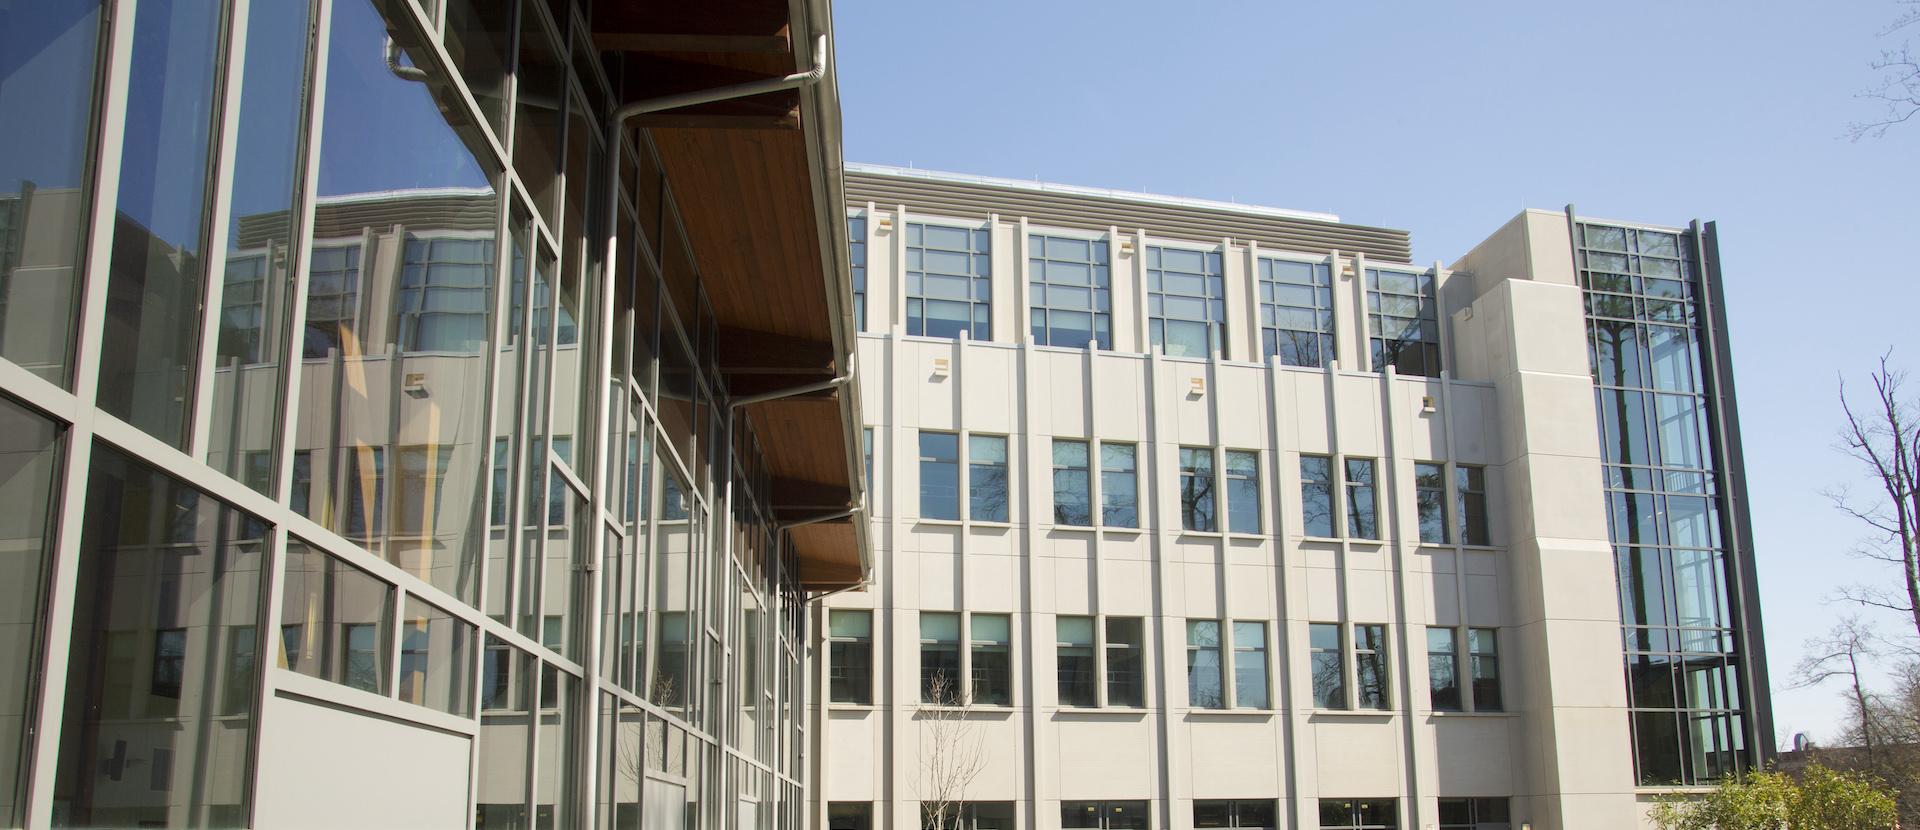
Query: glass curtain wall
355,277
1645,327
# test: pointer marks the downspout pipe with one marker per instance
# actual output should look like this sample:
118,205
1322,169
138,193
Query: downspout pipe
789,392
720,93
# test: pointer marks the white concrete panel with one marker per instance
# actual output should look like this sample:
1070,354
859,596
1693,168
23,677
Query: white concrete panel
1201,597
993,583
1323,594
1356,755
939,580
1121,384
1306,430
992,540
1104,756
397,775
1484,601
1371,595
1233,756
989,388
1243,406
1475,753
1126,588
853,771
1250,591
1072,587
1063,379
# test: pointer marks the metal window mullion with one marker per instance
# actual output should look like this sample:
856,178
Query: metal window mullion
300,266
217,202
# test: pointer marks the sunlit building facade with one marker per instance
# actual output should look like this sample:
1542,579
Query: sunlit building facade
1198,515
390,429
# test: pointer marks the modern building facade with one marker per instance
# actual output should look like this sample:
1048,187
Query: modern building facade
418,414
1196,515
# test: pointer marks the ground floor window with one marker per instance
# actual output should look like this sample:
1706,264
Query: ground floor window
1240,813
850,815
1359,814
1474,814
1103,815
966,815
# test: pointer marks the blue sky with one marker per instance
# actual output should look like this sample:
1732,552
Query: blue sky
1446,120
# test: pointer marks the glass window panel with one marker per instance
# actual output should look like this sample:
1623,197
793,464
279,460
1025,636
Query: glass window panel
1430,494
990,659
253,306
555,736
149,348
1119,483
1362,521
1243,491
1071,499
1196,489
541,73
940,658
1126,661
1484,649
987,477
1443,670
1370,666
434,665
1328,666
939,475
1204,689
47,77
1074,661
29,467
1250,665
334,620
1316,495
409,181
164,624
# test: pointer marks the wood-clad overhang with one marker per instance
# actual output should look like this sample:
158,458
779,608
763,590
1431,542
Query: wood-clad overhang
758,182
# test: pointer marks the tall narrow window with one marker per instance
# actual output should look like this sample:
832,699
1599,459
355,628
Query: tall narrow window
1328,666
148,357
1126,662
1250,665
866,450
987,478
1430,493
850,656
990,637
857,263
1296,312
1069,292
1074,661
1370,666
1204,690
940,658
1243,491
1196,488
1403,324
1316,495
1483,647
1362,519
1072,503
435,670
949,282
1186,302
1119,486
939,475
31,445
1470,497
1443,669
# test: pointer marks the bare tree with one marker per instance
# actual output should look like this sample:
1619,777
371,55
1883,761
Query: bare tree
1884,436
1897,90
1837,656
952,752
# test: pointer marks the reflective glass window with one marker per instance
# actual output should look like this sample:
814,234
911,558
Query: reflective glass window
1074,661
1204,689
1403,322
939,475
1196,489
166,611
1126,661
399,389
29,470
435,662
1363,521
148,355
48,63
334,620
1316,495
1443,669
1243,491
1072,499
1430,498
1328,666
987,478
1296,312
949,281
1186,302
1069,292
1119,486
